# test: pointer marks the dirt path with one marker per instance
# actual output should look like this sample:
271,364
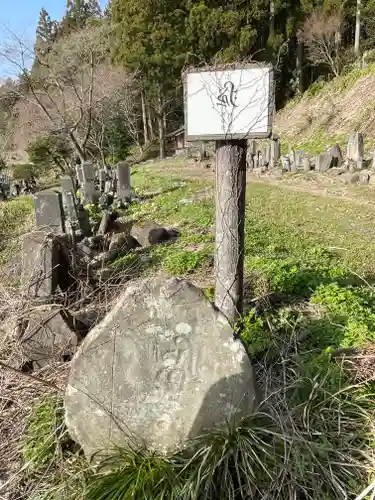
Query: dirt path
314,184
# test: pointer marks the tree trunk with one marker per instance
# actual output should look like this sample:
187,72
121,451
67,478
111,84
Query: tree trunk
144,119
149,122
161,136
78,149
272,20
161,127
230,227
300,53
357,28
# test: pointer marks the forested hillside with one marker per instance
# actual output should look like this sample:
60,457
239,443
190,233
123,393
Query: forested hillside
98,83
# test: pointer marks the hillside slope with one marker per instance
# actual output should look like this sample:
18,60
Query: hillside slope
329,111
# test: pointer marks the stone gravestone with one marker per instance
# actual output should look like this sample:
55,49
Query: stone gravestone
355,151
298,157
161,368
124,189
267,154
373,160
49,213
40,262
69,200
90,195
275,152
79,174
102,179
48,335
88,172
285,161
335,152
306,164
323,162
67,184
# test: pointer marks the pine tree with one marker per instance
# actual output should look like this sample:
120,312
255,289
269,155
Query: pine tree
78,13
45,34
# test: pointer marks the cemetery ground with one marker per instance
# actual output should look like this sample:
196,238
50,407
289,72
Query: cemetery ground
309,328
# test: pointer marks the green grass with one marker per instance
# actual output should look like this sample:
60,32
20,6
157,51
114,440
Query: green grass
310,271
15,218
45,430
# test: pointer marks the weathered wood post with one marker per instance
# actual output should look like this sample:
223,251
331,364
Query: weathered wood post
229,105
230,226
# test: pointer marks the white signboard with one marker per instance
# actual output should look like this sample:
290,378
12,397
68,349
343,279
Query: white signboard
229,104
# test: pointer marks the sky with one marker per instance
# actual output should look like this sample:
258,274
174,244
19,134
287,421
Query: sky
21,17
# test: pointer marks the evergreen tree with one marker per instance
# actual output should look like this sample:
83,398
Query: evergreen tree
78,13
45,34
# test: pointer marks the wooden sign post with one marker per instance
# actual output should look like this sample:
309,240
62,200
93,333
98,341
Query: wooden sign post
229,106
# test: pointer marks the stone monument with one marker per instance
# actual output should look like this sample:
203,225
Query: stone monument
161,368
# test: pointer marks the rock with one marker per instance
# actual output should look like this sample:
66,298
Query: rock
355,150
84,250
104,223
350,178
161,368
40,263
95,242
86,317
101,260
149,233
335,171
364,177
121,243
323,162
49,334
335,152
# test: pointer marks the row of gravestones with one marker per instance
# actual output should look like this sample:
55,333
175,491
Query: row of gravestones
298,160
162,367
63,211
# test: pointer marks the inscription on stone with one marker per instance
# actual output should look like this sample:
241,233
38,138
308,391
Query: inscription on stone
162,367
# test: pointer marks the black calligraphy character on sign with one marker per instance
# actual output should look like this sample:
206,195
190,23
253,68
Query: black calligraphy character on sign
228,95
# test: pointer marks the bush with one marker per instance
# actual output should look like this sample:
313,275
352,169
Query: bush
24,171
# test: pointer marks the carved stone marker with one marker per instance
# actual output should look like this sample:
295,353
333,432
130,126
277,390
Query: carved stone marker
40,261
88,172
49,211
323,162
335,152
124,188
306,164
69,199
48,335
275,152
356,150
162,367
102,178
298,157
79,174
67,184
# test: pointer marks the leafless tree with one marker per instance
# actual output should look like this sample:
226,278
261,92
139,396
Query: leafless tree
65,88
321,35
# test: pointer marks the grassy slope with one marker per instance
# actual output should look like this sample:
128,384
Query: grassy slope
328,111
